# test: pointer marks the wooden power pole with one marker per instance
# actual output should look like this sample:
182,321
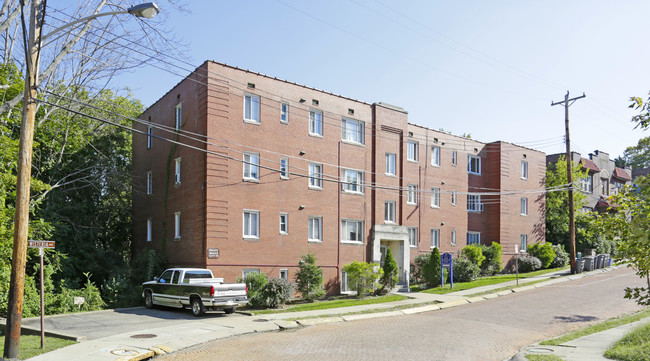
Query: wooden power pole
569,170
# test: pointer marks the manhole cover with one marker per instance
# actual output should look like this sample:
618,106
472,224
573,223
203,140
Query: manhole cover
124,352
144,335
261,320
540,350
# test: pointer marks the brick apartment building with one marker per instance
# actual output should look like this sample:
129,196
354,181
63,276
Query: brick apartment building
603,179
273,170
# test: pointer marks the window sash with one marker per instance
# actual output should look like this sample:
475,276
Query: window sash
284,223
252,108
474,164
523,244
284,112
524,169
149,229
179,117
149,137
435,197
413,236
435,238
435,156
390,163
411,194
315,229
315,175
473,238
251,166
177,172
524,206
352,231
251,224
177,225
453,237
353,130
284,167
454,157
316,122
389,211
149,183
353,181
454,196
474,203
412,151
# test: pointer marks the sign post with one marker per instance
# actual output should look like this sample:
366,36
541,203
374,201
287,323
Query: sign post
446,261
41,245
517,262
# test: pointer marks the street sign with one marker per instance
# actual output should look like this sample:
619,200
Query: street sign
446,259
40,244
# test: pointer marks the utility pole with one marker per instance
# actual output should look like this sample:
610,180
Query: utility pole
569,171
21,219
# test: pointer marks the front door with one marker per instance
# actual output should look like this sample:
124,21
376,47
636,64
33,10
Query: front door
400,263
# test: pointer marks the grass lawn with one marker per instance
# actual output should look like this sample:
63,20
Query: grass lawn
486,281
635,346
606,325
30,345
323,305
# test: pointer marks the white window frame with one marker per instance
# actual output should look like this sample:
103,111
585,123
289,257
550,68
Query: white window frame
524,206
149,182
284,274
412,194
177,225
315,123
284,168
474,160
178,116
149,136
587,183
350,185
413,236
284,113
435,197
284,223
254,114
345,286
246,271
471,234
435,238
353,131
523,242
149,229
315,176
358,224
524,169
253,220
453,237
412,151
454,198
391,164
454,158
177,171
251,167
315,235
435,156
474,203
389,212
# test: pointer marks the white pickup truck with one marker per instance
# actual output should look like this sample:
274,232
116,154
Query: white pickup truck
195,288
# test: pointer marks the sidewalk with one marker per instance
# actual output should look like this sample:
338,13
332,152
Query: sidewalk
146,343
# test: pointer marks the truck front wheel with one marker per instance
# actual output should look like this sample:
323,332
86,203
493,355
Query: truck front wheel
197,307
148,300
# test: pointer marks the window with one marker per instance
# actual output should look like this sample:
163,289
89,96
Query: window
251,224
473,164
149,136
284,112
251,108
454,197
251,166
604,187
474,203
524,169
284,223
390,164
353,181
587,183
345,288
352,231
412,151
435,156
316,123
454,158
524,206
473,238
177,171
179,117
149,229
412,194
284,274
435,197
177,225
389,211
149,182
315,229
453,238
435,238
413,236
523,245
353,130
315,176
246,271
284,168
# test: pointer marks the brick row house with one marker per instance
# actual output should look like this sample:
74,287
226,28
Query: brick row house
260,171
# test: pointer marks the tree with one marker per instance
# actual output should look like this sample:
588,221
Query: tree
362,276
638,156
432,269
390,277
309,278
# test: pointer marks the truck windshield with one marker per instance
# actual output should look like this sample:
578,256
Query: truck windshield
198,274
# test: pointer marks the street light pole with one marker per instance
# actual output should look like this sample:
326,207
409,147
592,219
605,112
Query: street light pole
21,218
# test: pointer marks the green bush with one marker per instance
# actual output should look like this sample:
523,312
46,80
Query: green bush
362,276
528,263
474,254
431,271
389,277
276,292
544,252
418,266
492,263
465,270
255,283
309,278
561,256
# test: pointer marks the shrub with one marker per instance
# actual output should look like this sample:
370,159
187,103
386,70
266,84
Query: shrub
492,263
419,264
255,283
528,263
474,254
465,270
561,256
276,292
389,277
431,271
544,252
309,278
362,276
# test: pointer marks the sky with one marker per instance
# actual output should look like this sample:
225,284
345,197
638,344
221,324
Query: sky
486,68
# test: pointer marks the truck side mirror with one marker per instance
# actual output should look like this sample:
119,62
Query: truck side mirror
155,279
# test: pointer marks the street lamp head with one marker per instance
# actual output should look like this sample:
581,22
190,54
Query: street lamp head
145,10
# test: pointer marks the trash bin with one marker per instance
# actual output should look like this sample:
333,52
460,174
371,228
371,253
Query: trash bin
601,260
589,263
580,264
